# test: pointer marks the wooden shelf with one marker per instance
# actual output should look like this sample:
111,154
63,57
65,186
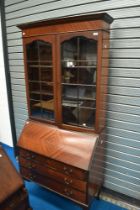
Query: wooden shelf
80,98
42,93
35,100
38,61
48,105
75,67
40,81
77,106
42,66
67,103
79,84
77,60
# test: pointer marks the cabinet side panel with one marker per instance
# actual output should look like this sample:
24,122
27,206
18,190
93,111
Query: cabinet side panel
103,81
96,170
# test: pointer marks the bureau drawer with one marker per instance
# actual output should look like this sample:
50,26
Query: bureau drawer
28,155
54,185
49,172
17,201
55,165
21,205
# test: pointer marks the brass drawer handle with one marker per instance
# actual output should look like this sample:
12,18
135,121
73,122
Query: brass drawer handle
33,155
29,157
68,192
31,166
52,168
11,205
67,181
67,170
32,177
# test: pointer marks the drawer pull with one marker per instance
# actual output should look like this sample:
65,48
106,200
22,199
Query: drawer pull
52,168
29,157
32,156
67,192
67,171
11,205
32,177
67,181
31,166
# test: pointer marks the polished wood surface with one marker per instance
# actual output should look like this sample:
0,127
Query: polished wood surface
96,169
52,172
53,185
102,16
34,160
66,27
59,160
17,201
13,195
10,180
72,148
104,81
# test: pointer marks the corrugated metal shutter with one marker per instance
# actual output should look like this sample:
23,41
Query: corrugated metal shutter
122,156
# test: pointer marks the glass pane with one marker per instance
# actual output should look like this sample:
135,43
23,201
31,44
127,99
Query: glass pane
70,75
87,92
87,52
46,89
87,104
33,73
87,75
68,56
87,61
46,74
35,96
40,74
69,91
78,63
34,87
86,117
35,108
45,52
69,115
32,51
47,105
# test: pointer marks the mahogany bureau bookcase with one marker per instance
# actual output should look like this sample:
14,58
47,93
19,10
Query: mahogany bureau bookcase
13,195
66,71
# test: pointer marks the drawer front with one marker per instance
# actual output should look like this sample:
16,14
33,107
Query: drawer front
17,201
55,165
54,185
67,170
23,205
50,173
28,155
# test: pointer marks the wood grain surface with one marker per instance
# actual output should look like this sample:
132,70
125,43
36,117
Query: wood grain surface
68,147
10,180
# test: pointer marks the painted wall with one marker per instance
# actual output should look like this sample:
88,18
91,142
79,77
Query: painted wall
122,170
5,127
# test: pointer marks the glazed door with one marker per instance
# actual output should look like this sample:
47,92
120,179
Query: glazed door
78,72
40,77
